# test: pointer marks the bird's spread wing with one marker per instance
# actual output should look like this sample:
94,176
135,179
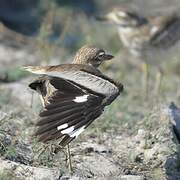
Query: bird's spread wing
167,33
67,112
86,77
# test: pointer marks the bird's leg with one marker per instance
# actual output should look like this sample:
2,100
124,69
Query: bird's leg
159,76
32,99
145,68
69,158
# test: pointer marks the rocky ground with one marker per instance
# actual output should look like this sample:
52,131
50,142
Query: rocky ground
148,153
122,144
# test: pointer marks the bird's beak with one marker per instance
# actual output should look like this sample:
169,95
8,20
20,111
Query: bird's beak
107,57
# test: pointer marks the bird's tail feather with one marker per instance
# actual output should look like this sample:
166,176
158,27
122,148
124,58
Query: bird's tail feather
35,69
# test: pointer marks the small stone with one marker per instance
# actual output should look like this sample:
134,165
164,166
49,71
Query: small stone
88,150
131,177
140,135
3,115
7,140
142,144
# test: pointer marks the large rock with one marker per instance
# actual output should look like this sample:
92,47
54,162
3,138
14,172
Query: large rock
173,112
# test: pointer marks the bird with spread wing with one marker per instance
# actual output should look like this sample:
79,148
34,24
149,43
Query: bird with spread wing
73,95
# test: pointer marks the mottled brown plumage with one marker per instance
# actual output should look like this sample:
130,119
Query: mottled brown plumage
73,95
145,37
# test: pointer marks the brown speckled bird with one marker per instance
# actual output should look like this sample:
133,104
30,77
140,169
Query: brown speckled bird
73,95
149,40
141,35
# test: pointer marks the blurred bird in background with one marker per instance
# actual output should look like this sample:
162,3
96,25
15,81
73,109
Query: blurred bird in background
147,39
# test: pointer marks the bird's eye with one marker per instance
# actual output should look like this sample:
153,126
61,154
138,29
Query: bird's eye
101,54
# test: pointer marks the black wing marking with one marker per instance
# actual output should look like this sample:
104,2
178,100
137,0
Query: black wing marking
70,109
168,36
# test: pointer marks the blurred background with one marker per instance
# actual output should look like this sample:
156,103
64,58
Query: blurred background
133,137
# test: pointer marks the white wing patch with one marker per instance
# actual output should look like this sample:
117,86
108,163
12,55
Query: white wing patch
68,130
63,126
80,99
77,132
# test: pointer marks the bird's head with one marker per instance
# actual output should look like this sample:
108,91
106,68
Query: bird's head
91,55
122,17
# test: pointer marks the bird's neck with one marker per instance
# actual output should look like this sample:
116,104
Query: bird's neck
77,61
85,62
127,30
126,33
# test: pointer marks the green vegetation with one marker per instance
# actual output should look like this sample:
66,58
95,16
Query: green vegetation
16,74
13,74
